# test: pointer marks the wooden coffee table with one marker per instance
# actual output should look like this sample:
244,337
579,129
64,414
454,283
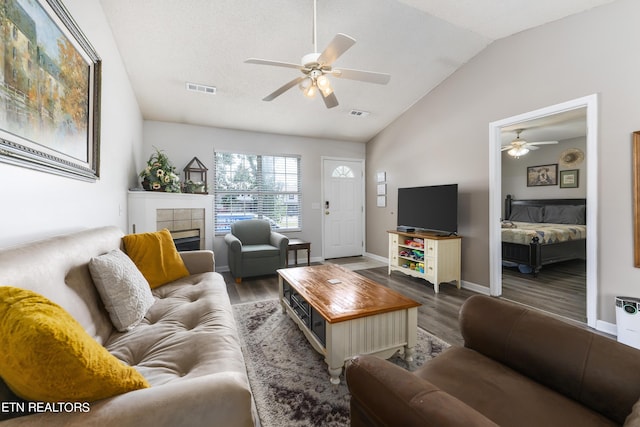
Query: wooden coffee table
343,314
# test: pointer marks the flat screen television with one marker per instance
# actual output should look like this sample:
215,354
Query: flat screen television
430,208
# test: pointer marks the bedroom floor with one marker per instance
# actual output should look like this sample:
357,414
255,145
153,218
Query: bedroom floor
560,288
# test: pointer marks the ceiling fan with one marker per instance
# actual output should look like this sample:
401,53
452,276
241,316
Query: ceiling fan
519,147
316,67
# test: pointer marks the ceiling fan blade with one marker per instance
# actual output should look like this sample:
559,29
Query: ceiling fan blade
506,147
283,89
339,45
329,100
274,63
542,142
363,76
532,147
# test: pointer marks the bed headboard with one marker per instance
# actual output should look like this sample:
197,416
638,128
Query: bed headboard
510,202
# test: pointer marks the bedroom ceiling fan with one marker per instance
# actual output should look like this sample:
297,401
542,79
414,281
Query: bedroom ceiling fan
316,67
519,147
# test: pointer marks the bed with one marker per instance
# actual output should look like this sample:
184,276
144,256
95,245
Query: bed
539,232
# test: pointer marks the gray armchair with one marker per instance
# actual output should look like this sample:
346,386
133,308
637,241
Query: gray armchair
255,250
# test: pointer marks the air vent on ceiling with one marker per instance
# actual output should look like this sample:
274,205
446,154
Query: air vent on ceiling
358,113
194,87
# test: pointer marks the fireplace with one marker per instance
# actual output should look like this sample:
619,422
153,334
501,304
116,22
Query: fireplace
154,210
186,226
186,240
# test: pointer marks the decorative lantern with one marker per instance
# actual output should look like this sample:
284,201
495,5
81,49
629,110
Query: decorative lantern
195,177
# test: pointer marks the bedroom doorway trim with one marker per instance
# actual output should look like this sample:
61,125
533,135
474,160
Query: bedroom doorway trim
589,102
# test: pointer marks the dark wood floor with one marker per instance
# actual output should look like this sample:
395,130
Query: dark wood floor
438,313
560,288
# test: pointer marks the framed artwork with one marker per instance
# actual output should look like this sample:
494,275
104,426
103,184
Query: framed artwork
636,198
381,176
381,201
569,178
542,175
50,91
381,189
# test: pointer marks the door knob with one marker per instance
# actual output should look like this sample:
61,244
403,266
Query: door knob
326,212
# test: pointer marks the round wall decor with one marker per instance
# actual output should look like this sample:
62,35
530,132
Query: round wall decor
571,157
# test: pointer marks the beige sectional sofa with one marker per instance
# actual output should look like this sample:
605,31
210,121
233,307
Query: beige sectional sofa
186,347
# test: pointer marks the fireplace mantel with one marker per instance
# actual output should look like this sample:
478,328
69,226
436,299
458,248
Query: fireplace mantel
148,211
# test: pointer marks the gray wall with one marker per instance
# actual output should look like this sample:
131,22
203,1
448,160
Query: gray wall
514,172
182,142
443,138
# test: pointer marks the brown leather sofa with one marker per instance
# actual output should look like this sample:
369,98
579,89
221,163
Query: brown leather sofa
518,367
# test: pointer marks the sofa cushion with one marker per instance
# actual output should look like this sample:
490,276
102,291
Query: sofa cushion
502,394
188,333
122,287
156,257
46,355
260,251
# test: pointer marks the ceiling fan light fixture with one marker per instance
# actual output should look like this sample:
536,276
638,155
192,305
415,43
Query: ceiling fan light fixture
315,65
323,82
310,91
518,151
305,84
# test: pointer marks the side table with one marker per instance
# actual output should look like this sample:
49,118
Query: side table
295,245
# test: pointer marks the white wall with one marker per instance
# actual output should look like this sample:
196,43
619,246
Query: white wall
183,142
444,136
514,172
37,204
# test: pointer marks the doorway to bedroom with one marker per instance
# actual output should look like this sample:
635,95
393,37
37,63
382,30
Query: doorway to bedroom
542,163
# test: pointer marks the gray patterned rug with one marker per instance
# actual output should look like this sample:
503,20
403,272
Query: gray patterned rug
289,379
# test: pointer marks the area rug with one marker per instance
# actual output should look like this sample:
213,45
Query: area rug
289,379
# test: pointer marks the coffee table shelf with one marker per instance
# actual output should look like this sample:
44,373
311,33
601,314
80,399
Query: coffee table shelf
343,314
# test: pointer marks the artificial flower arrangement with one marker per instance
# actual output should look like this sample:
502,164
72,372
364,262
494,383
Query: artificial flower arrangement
159,175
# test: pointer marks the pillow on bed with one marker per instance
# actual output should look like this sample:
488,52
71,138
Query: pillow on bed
526,213
565,214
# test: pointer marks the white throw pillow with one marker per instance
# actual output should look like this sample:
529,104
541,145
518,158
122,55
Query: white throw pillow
124,290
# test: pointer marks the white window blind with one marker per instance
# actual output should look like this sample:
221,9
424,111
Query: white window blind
250,186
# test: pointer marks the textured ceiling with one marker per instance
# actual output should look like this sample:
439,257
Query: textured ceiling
167,43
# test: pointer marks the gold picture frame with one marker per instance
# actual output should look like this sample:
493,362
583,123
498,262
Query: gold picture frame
636,198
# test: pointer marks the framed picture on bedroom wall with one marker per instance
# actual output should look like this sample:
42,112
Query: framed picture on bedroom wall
542,175
569,178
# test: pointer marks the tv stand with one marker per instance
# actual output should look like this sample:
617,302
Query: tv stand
427,255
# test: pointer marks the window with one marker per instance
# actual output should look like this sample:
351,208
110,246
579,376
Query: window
342,172
252,186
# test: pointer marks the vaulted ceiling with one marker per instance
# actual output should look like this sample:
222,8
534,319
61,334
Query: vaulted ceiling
167,43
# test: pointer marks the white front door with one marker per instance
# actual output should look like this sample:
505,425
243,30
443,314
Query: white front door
343,208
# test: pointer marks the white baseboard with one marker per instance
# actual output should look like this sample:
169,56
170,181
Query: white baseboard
474,287
606,327
377,257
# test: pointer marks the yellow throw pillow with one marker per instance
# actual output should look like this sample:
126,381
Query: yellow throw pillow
46,355
156,257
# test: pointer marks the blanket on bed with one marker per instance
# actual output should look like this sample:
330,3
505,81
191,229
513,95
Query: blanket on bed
523,232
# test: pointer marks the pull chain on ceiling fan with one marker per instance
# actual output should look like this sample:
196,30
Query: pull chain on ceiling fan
316,67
